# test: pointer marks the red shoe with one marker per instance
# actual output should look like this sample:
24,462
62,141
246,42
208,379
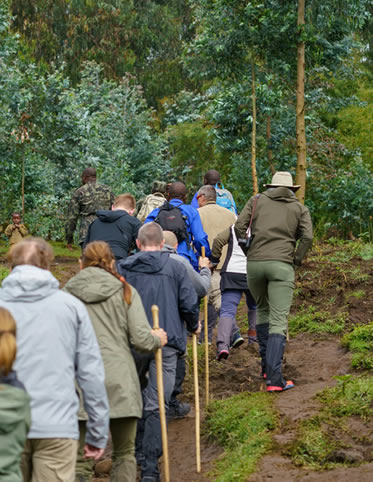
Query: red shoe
274,388
222,355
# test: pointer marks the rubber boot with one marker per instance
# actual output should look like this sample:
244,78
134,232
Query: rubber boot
151,446
251,318
262,335
274,355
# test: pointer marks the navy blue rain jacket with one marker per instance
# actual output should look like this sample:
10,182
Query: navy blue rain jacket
163,281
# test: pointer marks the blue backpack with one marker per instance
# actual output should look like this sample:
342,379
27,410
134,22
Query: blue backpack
225,199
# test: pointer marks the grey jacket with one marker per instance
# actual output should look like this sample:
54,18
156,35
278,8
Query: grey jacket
56,344
201,280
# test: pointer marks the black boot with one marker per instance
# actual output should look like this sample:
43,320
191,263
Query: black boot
275,352
262,335
151,447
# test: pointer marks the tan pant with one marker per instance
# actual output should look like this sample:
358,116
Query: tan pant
49,460
214,294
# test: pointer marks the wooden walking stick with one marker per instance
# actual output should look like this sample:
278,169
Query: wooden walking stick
205,302
196,398
162,413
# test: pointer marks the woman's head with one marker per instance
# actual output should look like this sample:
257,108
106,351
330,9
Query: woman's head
32,251
8,346
99,254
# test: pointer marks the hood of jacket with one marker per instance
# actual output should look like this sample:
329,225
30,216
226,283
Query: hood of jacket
282,194
169,249
28,284
146,262
111,216
93,285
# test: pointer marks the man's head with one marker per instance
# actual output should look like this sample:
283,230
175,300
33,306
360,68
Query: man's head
159,186
16,218
212,177
32,251
206,194
89,175
170,239
150,237
177,190
125,202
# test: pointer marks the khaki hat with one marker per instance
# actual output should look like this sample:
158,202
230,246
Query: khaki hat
283,179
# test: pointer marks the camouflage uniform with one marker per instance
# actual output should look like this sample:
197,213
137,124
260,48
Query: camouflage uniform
84,203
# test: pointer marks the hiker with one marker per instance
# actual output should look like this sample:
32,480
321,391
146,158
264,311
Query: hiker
279,222
119,320
184,221
163,281
14,404
117,227
224,197
214,219
16,231
56,346
201,283
153,200
85,201
233,284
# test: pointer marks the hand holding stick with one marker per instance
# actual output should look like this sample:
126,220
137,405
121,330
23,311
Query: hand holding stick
205,301
162,414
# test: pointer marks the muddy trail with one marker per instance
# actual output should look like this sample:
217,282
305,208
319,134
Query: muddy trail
328,280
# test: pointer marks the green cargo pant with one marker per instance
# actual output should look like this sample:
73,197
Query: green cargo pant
123,434
271,283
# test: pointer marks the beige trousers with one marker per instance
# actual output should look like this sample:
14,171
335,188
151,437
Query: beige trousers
49,460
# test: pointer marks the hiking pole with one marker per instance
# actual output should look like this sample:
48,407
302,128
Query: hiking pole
162,414
205,302
196,398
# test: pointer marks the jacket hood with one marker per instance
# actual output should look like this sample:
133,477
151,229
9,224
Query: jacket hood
282,194
169,249
110,216
145,262
93,285
28,284
13,407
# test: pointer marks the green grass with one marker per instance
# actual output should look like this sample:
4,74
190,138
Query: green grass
242,424
60,250
315,442
358,294
309,320
3,273
360,342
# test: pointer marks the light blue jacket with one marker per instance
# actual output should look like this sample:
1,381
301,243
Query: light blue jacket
56,344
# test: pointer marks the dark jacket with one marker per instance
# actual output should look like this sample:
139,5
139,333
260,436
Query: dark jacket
280,220
118,228
163,281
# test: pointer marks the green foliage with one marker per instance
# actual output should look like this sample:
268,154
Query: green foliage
241,424
3,273
360,342
309,320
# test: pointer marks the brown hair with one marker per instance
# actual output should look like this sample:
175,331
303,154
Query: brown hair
150,234
8,346
99,254
33,251
125,200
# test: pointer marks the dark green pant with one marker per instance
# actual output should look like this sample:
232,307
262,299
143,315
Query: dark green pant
271,283
123,434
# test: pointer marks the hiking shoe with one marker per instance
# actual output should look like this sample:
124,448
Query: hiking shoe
178,410
274,388
222,355
237,340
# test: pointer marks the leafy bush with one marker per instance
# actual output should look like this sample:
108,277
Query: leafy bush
360,342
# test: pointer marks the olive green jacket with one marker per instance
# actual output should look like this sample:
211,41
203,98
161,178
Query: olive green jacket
116,325
280,220
14,424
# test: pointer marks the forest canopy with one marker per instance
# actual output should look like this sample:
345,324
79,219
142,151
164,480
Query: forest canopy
164,89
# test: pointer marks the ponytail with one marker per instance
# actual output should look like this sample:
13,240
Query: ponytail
98,254
8,345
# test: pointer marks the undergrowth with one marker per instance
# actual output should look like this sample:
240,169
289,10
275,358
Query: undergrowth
310,320
360,342
242,425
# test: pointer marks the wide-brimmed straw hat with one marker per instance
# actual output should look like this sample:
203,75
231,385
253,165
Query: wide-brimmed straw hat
283,179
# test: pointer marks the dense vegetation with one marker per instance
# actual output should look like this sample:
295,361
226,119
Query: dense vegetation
147,89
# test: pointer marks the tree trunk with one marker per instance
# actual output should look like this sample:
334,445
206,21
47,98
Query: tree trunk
300,177
269,151
253,132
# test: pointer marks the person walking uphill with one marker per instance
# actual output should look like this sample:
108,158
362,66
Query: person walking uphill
56,346
279,222
119,320
85,201
163,281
